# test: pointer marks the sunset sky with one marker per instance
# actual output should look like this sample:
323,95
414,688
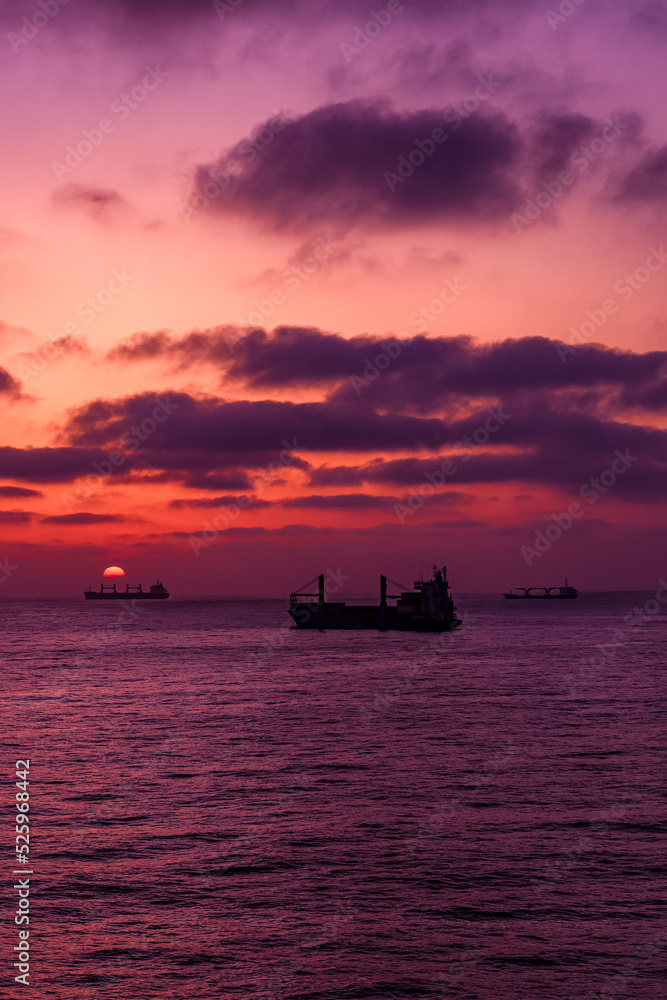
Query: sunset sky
272,271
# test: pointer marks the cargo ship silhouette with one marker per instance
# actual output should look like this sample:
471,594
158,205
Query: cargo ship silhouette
156,593
542,593
427,608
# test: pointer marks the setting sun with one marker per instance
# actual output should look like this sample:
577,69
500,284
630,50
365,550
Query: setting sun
114,571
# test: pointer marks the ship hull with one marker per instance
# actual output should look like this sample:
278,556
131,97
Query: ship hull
94,595
354,618
539,597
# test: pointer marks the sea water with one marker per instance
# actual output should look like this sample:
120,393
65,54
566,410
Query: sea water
222,806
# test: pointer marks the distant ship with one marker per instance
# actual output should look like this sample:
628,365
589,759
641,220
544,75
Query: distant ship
427,608
156,593
541,593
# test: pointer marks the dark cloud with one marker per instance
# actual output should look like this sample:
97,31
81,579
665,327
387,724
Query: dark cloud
249,427
247,503
649,397
341,501
565,451
215,346
233,480
515,412
194,468
337,164
15,516
48,465
555,137
165,15
339,475
651,16
296,356
364,164
101,203
422,373
367,501
199,479
83,518
69,345
9,387
19,491
531,438
647,181
430,371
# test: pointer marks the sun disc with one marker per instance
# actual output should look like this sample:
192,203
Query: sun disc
114,571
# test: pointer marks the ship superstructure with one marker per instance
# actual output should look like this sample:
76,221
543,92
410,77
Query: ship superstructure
429,607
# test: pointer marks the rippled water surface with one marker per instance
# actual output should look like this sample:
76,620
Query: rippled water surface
225,807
